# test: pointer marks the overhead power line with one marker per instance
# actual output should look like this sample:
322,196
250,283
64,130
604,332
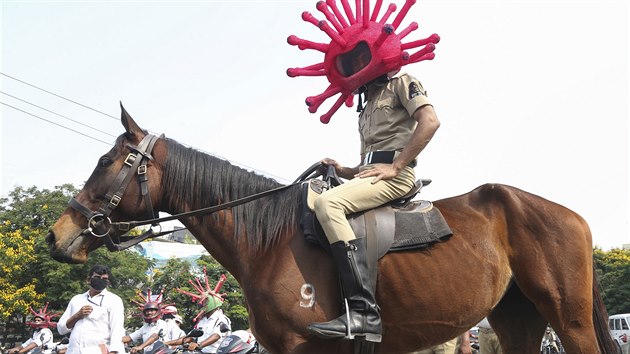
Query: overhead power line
57,114
57,124
103,113
56,95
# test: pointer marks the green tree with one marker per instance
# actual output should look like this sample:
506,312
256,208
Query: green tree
235,306
175,274
30,213
613,269
35,208
17,292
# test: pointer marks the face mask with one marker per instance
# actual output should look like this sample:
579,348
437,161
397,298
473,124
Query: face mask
98,283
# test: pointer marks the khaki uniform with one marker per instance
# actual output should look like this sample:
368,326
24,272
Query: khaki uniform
386,124
449,347
488,340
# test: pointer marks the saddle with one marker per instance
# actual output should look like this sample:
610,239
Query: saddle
399,225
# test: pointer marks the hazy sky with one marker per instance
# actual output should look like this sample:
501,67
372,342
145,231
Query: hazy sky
532,94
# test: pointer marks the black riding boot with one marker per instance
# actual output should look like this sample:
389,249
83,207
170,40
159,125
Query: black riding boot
364,316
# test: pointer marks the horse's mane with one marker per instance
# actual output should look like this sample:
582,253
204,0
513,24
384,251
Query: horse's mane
197,180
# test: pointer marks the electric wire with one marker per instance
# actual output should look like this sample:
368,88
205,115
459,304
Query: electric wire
108,115
56,95
57,114
57,124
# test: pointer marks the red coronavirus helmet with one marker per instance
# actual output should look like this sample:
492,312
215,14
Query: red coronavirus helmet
45,316
148,303
207,298
362,49
151,312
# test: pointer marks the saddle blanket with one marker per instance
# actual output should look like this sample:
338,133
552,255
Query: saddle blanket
419,226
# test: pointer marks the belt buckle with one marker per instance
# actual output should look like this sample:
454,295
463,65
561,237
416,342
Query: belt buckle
368,158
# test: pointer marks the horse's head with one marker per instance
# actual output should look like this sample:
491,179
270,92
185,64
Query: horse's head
125,185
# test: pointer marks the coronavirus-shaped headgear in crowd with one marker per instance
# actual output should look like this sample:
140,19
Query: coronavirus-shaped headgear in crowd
362,49
207,298
45,316
148,303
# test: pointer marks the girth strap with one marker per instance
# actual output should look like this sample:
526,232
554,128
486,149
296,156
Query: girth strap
372,246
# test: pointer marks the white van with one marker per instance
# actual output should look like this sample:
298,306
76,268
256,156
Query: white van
619,326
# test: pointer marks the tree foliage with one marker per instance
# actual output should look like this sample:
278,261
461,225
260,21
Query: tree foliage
17,292
34,208
613,268
30,277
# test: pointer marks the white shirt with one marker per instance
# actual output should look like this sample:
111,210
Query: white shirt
211,325
172,330
105,325
43,338
143,333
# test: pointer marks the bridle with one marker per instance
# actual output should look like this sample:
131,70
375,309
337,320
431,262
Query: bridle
99,223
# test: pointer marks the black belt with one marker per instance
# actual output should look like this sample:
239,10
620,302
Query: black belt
383,157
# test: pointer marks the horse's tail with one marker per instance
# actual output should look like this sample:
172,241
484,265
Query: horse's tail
605,341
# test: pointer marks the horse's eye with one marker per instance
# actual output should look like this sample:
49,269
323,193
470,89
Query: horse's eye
104,162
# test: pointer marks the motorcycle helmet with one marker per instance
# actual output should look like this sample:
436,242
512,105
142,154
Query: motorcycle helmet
171,310
150,302
239,342
148,315
45,316
207,299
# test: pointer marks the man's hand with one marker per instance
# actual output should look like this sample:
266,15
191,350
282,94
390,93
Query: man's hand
85,311
382,171
193,346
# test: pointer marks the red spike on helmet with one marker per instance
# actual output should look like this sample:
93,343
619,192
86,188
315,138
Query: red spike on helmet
150,302
362,49
44,315
206,297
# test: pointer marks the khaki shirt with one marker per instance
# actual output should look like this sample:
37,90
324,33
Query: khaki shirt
386,123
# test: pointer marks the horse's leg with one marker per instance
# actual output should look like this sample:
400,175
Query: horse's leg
517,323
551,260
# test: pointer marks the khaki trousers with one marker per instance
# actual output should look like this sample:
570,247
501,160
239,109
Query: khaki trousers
488,342
449,347
355,195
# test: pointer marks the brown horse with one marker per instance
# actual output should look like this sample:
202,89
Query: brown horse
517,258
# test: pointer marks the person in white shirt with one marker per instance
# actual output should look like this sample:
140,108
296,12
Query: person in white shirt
551,339
95,318
215,326
152,330
42,337
213,322
173,321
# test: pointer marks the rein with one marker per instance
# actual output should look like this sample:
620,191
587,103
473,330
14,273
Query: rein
125,225
99,223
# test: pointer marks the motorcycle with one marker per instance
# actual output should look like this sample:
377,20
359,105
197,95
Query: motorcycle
160,348
61,346
548,347
240,342
56,348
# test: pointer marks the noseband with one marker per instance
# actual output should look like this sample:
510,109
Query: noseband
99,223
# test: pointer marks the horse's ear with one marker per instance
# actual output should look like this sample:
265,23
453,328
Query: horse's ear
130,125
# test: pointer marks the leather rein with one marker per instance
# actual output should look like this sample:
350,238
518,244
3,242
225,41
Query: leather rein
99,223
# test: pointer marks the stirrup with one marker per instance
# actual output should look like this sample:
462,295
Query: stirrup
369,337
